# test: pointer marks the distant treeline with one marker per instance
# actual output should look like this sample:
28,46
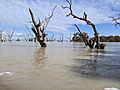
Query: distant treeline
110,38
78,38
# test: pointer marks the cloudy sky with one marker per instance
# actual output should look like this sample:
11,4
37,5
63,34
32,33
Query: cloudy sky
14,14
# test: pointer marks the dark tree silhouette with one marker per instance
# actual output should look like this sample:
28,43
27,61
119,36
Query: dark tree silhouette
88,22
39,28
87,42
116,20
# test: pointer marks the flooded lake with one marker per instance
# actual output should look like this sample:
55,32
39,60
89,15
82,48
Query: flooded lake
60,66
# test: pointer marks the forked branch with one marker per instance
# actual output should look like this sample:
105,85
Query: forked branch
84,18
116,20
39,27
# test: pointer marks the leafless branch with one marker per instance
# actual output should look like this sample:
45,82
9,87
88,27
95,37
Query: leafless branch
46,21
38,28
85,40
116,20
84,18
29,31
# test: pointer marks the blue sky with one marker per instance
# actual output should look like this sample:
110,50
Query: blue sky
14,13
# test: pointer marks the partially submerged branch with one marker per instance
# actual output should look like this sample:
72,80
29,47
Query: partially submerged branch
87,42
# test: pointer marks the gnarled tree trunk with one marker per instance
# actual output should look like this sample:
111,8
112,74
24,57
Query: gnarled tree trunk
39,28
85,19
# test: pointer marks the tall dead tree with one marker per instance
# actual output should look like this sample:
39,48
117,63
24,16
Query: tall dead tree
39,28
85,19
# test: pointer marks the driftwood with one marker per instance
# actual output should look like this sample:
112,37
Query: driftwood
85,19
39,28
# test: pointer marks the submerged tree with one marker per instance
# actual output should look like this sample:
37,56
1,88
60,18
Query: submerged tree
39,28
88,22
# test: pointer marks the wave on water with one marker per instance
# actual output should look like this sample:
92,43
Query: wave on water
111,88
5,73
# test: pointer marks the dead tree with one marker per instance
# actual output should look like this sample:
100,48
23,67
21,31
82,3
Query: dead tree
61,38
85,19
39,28
2,39
51,38
10,34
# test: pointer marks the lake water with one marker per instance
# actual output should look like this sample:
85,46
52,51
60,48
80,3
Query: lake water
60,66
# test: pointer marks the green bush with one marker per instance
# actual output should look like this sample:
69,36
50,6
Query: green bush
102,46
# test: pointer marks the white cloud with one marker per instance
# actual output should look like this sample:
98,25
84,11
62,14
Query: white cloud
19,34
15,12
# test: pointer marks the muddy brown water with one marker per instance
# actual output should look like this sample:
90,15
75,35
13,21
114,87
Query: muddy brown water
60,66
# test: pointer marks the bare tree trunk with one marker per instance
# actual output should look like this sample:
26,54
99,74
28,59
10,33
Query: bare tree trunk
38,28
85,19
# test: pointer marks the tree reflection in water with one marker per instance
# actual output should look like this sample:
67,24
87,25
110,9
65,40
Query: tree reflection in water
39,57
87,66
97,65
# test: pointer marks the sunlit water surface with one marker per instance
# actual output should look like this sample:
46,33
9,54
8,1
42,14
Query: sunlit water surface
60,66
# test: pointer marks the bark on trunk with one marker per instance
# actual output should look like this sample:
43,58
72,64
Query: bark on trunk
38,28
